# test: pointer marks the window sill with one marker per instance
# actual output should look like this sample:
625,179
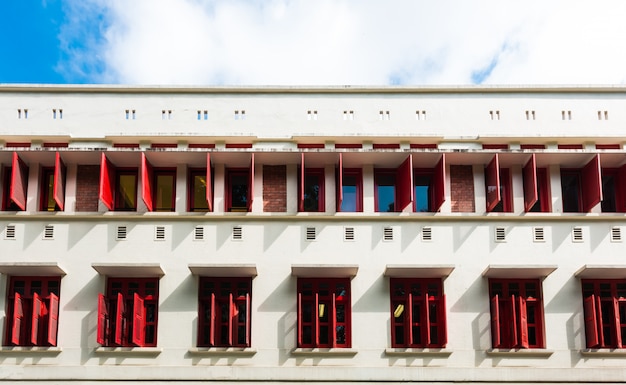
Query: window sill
603,352
418,352
323,352
53,350
151,351
223,351
519,352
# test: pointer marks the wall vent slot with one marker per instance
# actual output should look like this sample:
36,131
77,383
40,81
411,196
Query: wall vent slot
121,233
538,234
616,234
159,233
9,232
237,233
48,232
388,234
500,235
311,234
198,233
427,234
348,233
577,234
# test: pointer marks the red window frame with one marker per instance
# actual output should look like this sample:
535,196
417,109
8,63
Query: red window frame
614,190
537,196
32,311
324,313
343,174
200,191
604,305
224,311
418,313
151,192
310,179
436,178
588,190
402,183
517,320
128,312
110,186
498,187
232,173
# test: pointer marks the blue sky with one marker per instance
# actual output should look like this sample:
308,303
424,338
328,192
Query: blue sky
322,42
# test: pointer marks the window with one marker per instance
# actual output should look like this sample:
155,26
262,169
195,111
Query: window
351,191
498,187
118,186
394,187
536,187
605,312
200,189
158,186
613,190
15,184
127,313
32,311
418,313
224,312
581,188
429,187
324,309
516,313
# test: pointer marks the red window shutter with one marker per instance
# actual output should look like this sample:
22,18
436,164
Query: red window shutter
139,321
103,317
232,310
213,321
107,184
599,318
119,319
53,319
523,322
209,183
514,331
59,182
340,183
443,322
18,317
530,183
19,182
404,179
146,182
302,177
621,189
492,182
439,184
333,320
248,324
317,320
616,324
425,321
299,319
591,323
591,184
34,322
495,321
409,311
251,184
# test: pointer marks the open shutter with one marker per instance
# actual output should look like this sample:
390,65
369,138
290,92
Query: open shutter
439,184
139,321
492,183
19,182
513,335
119,319
340,183
523,322
232,310
599,319
620,190
209,183
495,321
425,321
404,180
107,182
617,331
531,196
18,317
146,182
302,177
409,310
299,320
251,184
333,320
591,323
59,182
53,319
34,321
103,317
591,184
213,321
443,322
248,324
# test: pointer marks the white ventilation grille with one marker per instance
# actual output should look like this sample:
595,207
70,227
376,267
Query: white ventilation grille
538,234
500,235
616,234
198,233
348,233
237,233
48,232
577,234
159,233
9,233
427,234
311,234
121,233
388,234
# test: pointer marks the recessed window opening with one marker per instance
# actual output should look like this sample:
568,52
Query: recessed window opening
530,114
348,115
311,115
383,115
420,115
604,304
237,190
313,193
351,189
566,115
494,114
603,115
198,185
385,183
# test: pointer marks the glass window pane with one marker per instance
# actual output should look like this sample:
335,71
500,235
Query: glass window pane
199,193
164,194
422,192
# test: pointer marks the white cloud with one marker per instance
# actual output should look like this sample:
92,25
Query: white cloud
345,42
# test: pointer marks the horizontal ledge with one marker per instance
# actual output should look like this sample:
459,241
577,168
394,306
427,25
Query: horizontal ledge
326,271
417,352
128,351
519,352
518,271
602,271
418,271
219,270
32,268
603,353
223,351
323,352
52,350
129,270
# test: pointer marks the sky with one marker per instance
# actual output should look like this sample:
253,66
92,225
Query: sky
313,42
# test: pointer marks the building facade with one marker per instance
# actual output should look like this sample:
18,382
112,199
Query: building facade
299,234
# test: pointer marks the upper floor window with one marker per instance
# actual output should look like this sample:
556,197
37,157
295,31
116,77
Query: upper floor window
613,190
118,186
604,303
224,311
311,188
498,187
393,188
158,186
127,313
200,189
350,190
32,311
418,313
516,313
324,313
429,187
15,184
581,188
536,187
